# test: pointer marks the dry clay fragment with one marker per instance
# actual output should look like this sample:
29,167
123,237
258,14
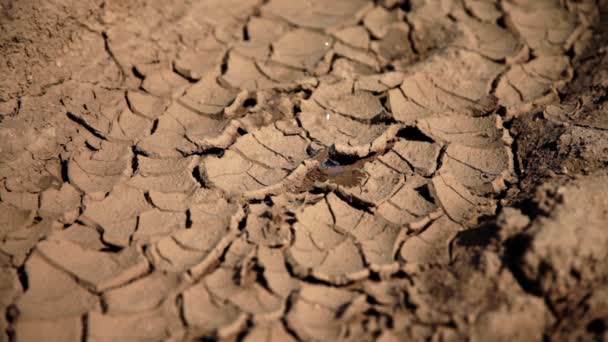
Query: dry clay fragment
407,206
202,244
63,203
164,83
481,132
146,105
98,172
301,48
65,329
491,41
207,96
340,98
547,27
243,73
268,332
316,313
257,160
165,175
142,295
317,14
334,241
355,36
533,83
249,296
151,325
456,81
13,218
480,169
155,224
209,316
458,202
52,293
421,155
114,212
100,270
433,244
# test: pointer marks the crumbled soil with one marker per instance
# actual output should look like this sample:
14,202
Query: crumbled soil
314,170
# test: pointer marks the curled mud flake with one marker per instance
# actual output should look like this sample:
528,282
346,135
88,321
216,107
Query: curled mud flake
243,73
99,270
202,244
301,48
432,245
260,159
152,325
457,81
259,52
265,30
485,10
268,332
491,41
156,224
129,127
568,246
395,46
281,74
51,293
431,28
421,155
368,62
209,316
63,203
378,20
355,36
407,206
164,83
122,204
18,244
548,34
182,201
458,202
275,273
20,200
195,64
322,250
248,296
359,104
315,314
207,96
474,132
165,143
533,83
100,171
371,181
177,181
84,236
146,105
14,218
142,295
62,329
482,170
318,14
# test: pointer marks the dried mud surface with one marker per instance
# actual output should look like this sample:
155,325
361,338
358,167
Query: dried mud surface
313,170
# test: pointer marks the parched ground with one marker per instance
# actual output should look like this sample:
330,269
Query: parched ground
313,170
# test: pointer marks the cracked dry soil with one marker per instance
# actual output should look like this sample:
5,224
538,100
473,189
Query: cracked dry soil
311,170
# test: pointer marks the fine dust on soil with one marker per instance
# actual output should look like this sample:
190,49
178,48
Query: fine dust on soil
314,170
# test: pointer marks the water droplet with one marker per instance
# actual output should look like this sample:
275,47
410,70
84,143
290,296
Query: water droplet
327,116
326,43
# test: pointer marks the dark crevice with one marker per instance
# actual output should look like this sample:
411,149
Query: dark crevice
414,134
64,170
188,219
23,278
85,328
197,174
86,126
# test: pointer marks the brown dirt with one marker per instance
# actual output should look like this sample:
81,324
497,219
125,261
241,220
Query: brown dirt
304,170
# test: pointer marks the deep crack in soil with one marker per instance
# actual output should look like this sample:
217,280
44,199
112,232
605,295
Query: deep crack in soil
313,170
